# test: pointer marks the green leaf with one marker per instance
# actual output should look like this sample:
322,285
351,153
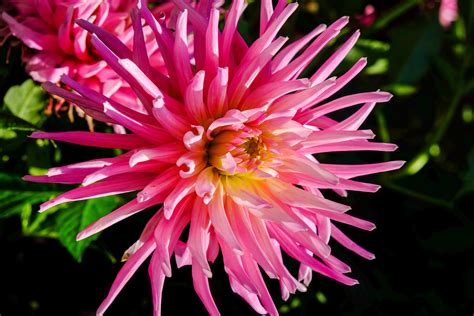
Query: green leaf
414,46
373,45
450,241
400,89
78,216
11,122
15,194
26,102
380,67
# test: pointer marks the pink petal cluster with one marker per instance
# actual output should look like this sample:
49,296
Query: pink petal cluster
448,12
227,148
58,46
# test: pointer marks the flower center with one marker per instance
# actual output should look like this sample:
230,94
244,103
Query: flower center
236,152
254,147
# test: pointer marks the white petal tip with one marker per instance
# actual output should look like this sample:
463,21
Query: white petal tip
238,251
207,273
399,163
302,288
166,269
81,236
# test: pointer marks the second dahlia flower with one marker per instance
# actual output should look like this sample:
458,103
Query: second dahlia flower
228,147
57,46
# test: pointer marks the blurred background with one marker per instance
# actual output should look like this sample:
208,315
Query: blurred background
423,213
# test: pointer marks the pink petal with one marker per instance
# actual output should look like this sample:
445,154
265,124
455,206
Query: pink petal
198,240
349,244
206,184
194,99
129,268
352,171
342,103
182,189
95,139
220,222
332,62
165,153
114,185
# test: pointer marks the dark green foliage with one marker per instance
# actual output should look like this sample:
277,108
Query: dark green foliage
78,216
423,214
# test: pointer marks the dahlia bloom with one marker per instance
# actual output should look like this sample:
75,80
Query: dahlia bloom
58,46
226,147
448,12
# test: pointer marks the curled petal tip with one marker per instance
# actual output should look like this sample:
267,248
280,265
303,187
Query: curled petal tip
36,135
166,269
238,251
107,107
168,211
345,19
158,103
400,163
206,199
302,288
142,197
81,236
388,95
207,273
43,207
25,178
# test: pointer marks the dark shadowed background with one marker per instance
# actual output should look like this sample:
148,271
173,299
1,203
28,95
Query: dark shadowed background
424,238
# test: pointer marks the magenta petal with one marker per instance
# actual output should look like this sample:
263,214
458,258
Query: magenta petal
127,271
94,139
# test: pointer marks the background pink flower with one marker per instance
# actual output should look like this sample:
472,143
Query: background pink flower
448,12
227,146
57,46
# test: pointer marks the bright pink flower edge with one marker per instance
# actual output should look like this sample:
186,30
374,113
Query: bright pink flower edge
227,147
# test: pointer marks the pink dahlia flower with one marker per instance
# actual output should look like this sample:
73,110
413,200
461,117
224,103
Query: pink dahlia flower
227,148
58,46
448,12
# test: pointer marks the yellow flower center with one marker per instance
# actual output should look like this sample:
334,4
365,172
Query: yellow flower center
254,147
236,152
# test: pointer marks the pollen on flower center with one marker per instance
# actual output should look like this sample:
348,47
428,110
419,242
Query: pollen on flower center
254,147
236,152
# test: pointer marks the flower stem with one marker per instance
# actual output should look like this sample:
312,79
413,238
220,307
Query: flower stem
394,13
419,196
